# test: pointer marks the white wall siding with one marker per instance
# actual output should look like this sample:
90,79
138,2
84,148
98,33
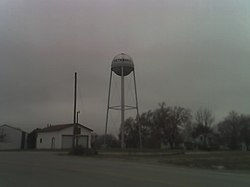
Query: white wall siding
69,131
12,138
47,138
44,140
67,141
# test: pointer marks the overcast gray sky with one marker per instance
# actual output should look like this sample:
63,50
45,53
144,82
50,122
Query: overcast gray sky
191,53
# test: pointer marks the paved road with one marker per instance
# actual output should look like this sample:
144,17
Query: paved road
41,169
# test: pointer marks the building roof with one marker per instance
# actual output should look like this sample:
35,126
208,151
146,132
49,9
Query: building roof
53,128
5,125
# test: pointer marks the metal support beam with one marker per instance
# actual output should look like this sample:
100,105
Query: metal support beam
107,114
122,67
122,109
138,114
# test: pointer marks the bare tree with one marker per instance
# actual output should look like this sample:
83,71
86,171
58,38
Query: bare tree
162,125
111,140
230,130
245,130
131,131
204,117
202,126
150,132
170,120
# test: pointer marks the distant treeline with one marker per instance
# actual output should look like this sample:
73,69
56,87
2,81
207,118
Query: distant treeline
175,127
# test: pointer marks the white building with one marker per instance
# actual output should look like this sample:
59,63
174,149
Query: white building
12,138
61,137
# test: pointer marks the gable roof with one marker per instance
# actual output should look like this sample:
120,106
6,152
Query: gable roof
61,127
5,125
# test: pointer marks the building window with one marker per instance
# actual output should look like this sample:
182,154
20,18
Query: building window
41,140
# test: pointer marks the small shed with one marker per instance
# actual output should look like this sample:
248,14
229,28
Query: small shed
12,138
61,137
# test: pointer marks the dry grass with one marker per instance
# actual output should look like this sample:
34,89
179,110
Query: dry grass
211,160
228,160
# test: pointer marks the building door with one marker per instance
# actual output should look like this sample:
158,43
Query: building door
83,141
67,141
53,143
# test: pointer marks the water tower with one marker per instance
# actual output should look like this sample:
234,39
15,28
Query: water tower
122,65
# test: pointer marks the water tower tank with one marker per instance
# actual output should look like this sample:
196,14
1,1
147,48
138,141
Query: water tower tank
122,61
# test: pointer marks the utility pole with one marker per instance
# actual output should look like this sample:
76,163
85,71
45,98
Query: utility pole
77,116
74,114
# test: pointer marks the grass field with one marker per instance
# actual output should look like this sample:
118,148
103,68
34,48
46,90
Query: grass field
211,160
227,160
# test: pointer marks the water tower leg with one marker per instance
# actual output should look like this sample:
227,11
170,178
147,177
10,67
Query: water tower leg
107,114
138,114
122,109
